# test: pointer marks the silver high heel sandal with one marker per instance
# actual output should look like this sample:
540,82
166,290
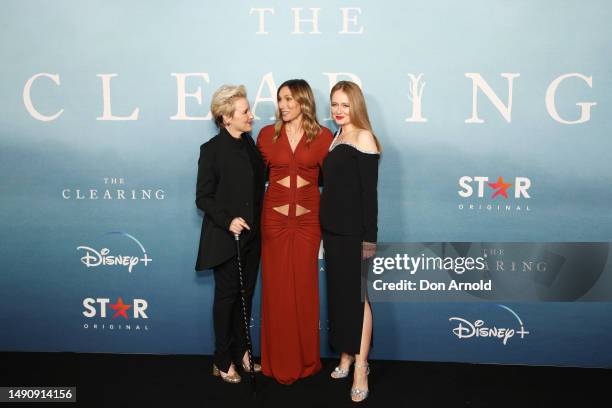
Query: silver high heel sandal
357,394
339,373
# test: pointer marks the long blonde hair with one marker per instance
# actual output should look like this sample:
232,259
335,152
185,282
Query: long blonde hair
357,105
301,92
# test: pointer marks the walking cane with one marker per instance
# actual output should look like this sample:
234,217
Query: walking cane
247,332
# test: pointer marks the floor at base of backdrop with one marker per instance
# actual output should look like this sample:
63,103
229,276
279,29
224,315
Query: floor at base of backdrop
128,380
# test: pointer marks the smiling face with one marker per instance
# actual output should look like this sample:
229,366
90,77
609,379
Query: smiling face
341,108
288,107
242,120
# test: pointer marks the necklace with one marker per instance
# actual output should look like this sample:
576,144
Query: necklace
293,138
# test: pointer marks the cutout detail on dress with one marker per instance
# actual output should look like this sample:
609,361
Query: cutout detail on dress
283,209
299,210
301,182
285,182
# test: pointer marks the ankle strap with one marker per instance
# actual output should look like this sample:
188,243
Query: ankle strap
362,365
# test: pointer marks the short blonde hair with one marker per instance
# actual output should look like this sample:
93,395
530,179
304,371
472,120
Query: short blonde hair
223,102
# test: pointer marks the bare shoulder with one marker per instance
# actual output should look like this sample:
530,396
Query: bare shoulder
365,141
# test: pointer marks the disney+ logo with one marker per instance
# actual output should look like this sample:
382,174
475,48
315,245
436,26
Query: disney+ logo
93,258
466,329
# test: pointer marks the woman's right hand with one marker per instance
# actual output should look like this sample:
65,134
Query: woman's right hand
237,225
368,250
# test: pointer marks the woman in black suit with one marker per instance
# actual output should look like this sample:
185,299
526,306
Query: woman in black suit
348,213
230,190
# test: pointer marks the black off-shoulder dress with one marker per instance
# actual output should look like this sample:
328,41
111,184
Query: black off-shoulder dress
348,214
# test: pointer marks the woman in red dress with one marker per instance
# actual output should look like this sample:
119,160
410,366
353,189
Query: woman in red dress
293,150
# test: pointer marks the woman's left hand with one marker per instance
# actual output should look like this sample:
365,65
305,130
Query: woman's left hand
368,249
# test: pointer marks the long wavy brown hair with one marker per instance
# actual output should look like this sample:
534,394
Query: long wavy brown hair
302,93
358,111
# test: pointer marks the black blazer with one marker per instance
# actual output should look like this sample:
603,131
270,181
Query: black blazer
230,184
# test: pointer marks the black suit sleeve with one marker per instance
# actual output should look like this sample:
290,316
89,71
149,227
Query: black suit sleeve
368,177
208,178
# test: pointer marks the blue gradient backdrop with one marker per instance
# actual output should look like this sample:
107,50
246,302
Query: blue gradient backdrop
43,282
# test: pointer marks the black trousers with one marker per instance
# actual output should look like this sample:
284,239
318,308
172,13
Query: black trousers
230,340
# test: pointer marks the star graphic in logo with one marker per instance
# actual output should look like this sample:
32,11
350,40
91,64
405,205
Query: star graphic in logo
500,187
120,307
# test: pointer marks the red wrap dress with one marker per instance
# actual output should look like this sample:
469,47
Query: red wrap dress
290,246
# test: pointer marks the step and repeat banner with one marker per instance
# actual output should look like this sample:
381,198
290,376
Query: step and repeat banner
494,188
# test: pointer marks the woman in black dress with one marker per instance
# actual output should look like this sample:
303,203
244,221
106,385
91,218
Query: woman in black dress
230,192
349,209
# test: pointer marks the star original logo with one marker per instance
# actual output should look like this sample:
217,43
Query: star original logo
482,193
100,318
500,187
120,308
